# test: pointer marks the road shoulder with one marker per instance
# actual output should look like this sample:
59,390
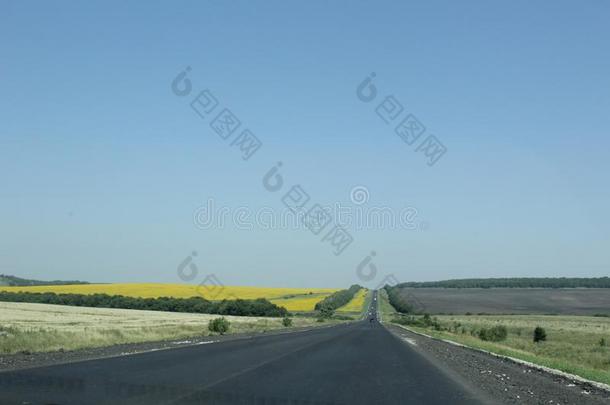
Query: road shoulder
505,380
22,361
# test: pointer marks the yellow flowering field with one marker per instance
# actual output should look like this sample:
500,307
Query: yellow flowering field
293,299
357,303
301,303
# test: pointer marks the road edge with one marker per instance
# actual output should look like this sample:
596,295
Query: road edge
546,369
131,349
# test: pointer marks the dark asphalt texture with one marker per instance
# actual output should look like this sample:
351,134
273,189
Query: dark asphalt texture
356,363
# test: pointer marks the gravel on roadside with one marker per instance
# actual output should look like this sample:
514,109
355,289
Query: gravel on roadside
506,381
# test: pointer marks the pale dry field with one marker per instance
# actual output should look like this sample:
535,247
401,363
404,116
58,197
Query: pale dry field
41,327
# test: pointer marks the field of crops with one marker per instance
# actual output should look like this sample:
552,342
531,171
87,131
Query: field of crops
566,301
293,299
41,327
357,303
300,303
575,344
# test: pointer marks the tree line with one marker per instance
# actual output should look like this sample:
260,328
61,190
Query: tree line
337,299
399,299
524,282
23,282
238,307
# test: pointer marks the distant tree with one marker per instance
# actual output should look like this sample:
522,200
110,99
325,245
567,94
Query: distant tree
602,342
401,299
287,322
219,325
539,334
21,282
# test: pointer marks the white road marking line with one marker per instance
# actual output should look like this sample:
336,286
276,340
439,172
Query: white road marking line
207,343
410,341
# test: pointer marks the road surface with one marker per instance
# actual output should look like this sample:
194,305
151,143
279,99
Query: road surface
356,363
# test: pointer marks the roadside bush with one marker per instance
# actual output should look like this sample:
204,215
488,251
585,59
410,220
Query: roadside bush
602,342
326,312
539,334
496,333
287,322
343,317
425,321
219,325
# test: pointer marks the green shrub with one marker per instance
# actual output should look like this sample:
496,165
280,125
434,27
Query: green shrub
219,325
342,317
496,333
287,322
602,342
539,334
425,321
326,311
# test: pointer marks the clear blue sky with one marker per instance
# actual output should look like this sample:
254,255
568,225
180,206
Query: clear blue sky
102,166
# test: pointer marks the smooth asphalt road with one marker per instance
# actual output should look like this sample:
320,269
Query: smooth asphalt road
356,363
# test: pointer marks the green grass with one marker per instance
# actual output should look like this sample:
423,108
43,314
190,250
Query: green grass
572,342
367,303
386,310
